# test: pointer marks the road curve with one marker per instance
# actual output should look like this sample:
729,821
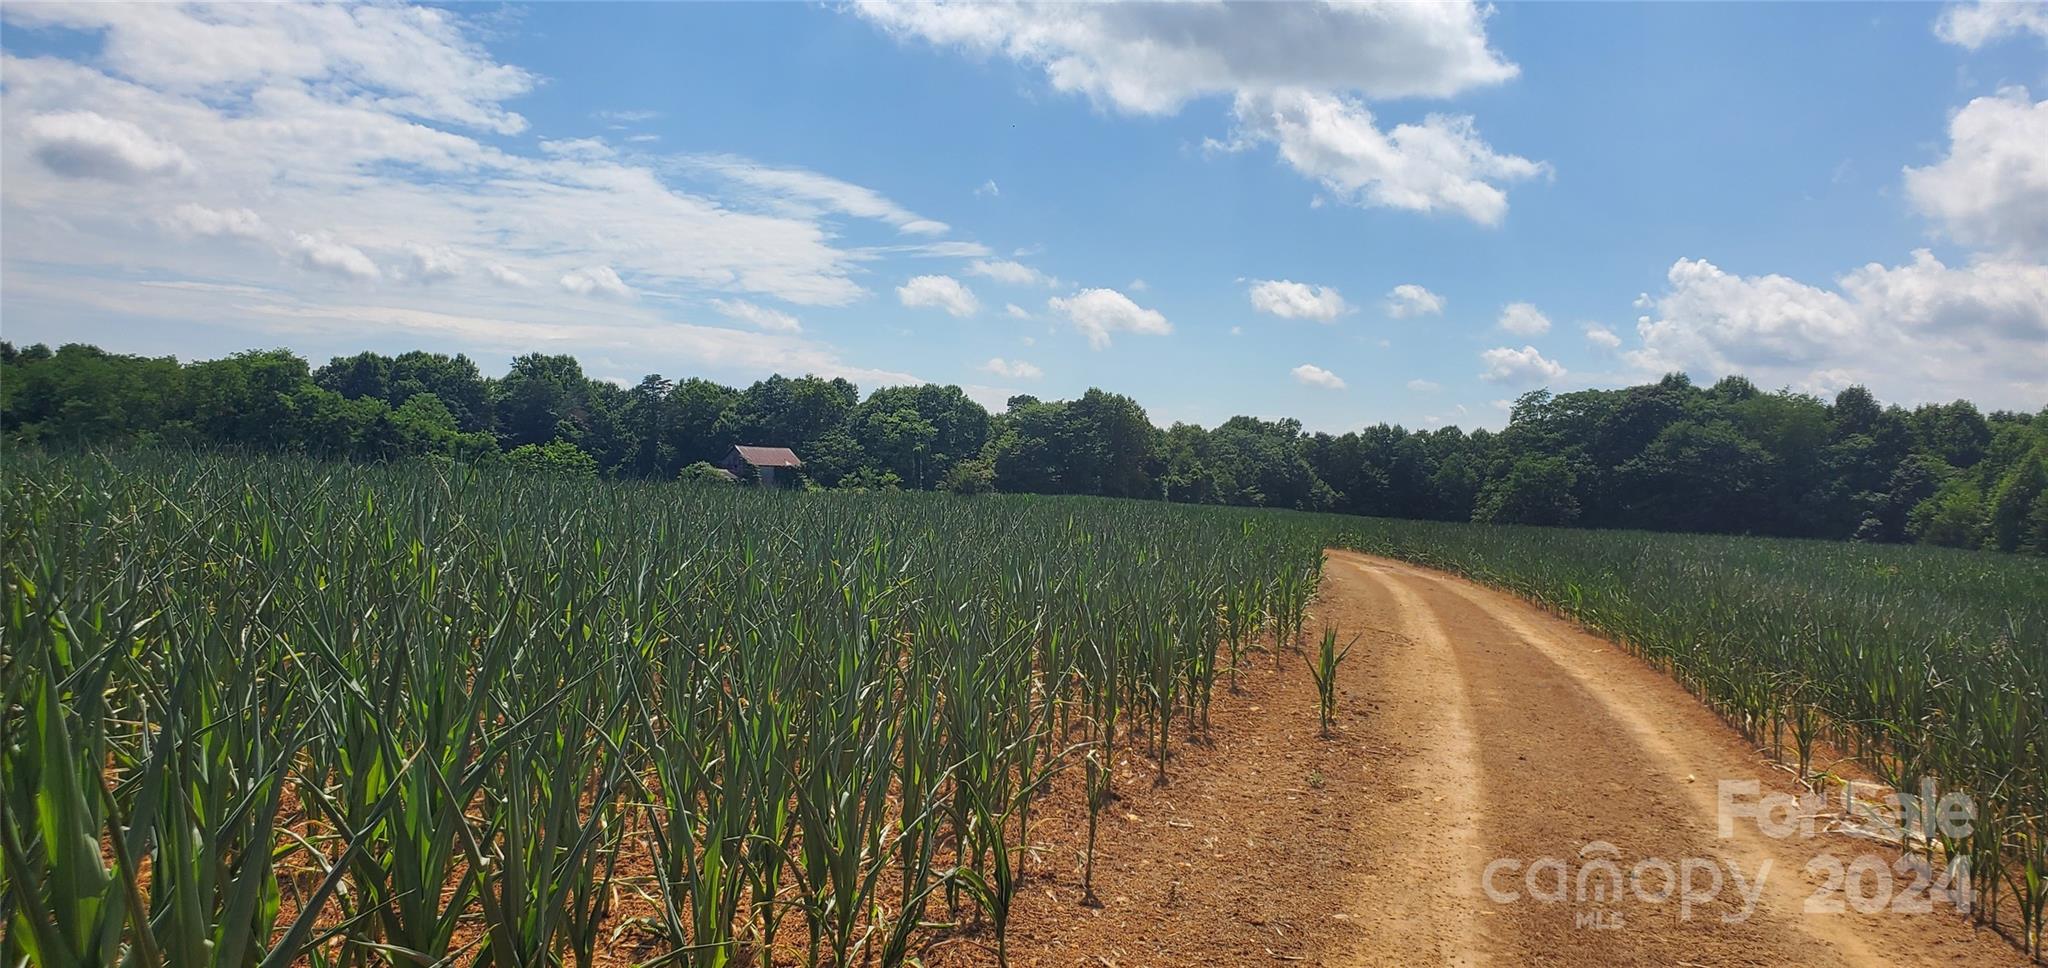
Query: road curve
1487,754
1582,754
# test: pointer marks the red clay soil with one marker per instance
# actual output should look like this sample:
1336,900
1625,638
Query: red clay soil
1473,728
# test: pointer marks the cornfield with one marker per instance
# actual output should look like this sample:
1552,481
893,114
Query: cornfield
260,711
268,711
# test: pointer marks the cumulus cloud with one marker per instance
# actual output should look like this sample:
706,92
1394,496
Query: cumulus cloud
1012,369
344,160
938,292
1991,191
1153,58
1015,311
1440,165
711,346
1423,386
1310,374
759,317
362,143
85,144
1290,71
1914,332
988,189
596,281
192,219
429,263
322,253
1973,25
1099,312
415,61
1523,367
1297,300
1602,337
1409,299
1523,319
1012,273
505,275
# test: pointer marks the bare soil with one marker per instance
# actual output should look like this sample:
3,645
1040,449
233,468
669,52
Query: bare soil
1473,728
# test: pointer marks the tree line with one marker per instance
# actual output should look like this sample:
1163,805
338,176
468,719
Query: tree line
1666,456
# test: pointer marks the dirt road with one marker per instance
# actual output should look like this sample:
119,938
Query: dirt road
1488,754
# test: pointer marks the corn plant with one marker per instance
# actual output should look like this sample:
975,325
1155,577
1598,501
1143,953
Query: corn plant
1323,669
263,711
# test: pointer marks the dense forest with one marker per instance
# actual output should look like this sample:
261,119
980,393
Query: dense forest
1668,456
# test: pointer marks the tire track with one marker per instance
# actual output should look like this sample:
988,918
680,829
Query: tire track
1440,774
1577,745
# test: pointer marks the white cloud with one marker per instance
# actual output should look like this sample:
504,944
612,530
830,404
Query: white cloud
194,219
322,253
1099,312
1409,299
1523,319
1012,273
309,160
1440,165
587,148
1138,285
1991,191
1153,58
85,144
412,61
1016,312
759,317
712,346
1602,337
1312,375
1288,69
596,281
626,117
358,142
1923,331
1012,369
938,292
430,263
988,189
1422,386
803,192
505,275
1523,367
1973,25
1297,300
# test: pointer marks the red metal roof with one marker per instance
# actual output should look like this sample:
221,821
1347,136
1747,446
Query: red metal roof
768,456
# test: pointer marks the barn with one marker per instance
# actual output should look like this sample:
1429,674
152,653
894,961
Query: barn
770,466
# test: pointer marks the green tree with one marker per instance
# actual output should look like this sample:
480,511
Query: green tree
702,472
2007,523
1697,477
970,477
556,457
1954,516
542,399
454,380
1537,490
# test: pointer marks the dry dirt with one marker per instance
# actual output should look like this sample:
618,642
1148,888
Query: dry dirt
1473,727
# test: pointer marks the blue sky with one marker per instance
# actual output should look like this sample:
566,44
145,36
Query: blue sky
1208,207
